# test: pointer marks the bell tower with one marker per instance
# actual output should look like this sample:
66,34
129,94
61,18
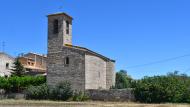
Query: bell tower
59,31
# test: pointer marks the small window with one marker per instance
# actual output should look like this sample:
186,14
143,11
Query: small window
55,26
67,27
67,61
7,65
28,63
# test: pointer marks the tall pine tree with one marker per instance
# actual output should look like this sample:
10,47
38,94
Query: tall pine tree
18,69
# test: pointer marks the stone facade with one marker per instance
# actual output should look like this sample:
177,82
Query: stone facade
74,72
6,64
95,74
83,68
111,95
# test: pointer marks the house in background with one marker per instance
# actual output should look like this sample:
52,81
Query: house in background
6,64
34,64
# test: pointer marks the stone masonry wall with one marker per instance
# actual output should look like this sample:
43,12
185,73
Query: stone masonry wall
111,95
74,73
95,72
56,41
110,74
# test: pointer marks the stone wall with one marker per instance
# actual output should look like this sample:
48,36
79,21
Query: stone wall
74,72
111,95
56,41
95,72
110,74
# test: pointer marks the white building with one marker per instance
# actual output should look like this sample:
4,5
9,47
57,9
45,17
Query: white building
6,64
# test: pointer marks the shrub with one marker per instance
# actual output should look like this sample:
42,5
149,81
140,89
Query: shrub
4,84
122,80
62,91
80,96
159,89
18,84
37,92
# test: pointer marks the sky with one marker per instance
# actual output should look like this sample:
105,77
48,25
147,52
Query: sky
154,34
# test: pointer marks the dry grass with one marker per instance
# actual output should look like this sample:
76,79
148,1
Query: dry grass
26,103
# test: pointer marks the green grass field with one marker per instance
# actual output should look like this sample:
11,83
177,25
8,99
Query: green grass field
26,103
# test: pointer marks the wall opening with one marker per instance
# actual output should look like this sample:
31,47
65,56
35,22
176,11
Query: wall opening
55,26
67,27
67,61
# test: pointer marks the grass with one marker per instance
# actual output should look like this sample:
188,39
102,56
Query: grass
30,103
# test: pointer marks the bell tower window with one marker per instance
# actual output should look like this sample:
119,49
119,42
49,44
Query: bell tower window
55,26
67,27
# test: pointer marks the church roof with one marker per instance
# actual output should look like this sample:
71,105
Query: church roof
91,52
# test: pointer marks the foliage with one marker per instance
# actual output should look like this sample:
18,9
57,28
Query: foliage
158,89
80,96
37,92
18,68
18,84
122,80
62,91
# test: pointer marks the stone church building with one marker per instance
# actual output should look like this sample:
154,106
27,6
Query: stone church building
82,67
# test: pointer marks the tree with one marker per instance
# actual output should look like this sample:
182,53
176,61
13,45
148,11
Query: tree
18,68
122,80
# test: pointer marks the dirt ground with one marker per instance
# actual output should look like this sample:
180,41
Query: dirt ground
26,103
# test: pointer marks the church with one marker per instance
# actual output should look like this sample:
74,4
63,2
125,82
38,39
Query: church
82,67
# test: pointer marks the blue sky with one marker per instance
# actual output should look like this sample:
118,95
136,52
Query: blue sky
132,32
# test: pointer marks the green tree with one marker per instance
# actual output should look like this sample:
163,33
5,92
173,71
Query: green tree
172,87
122,80
18,69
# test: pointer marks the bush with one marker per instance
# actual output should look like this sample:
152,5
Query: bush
37,92
80,96
18,84
122,80
61,91
159,89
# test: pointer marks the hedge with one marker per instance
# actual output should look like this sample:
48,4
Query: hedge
161,89
18,84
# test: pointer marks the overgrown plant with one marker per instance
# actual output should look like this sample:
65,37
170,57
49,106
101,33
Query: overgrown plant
158,89
18,84
62,91
80,96
37,92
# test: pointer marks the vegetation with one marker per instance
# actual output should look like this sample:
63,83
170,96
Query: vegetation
32,103
18,68
61,91
173,88
80,96
18,84
122,80
38,92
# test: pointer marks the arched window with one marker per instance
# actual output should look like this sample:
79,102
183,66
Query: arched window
67,61
55,26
